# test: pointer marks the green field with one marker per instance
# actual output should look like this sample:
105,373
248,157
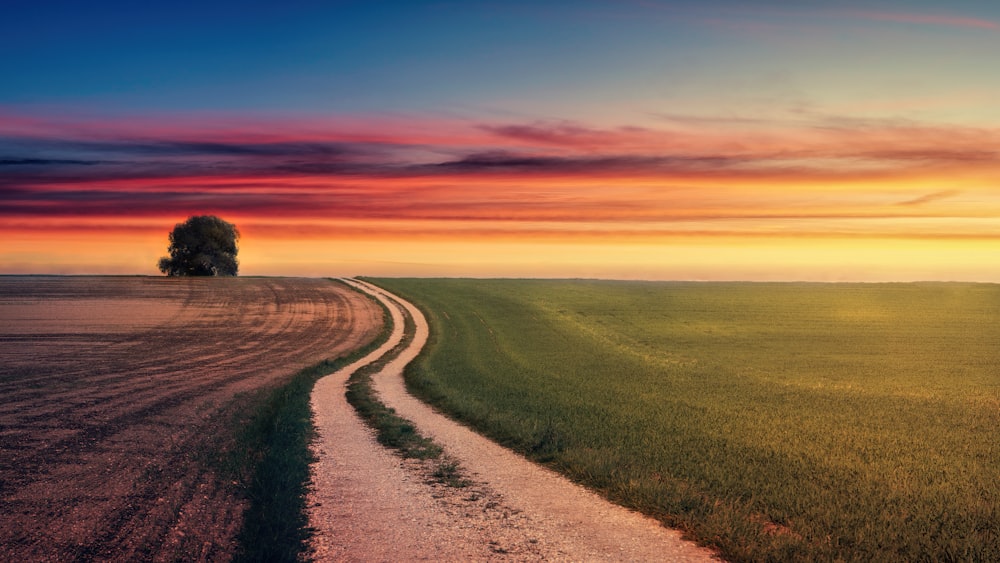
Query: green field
774,421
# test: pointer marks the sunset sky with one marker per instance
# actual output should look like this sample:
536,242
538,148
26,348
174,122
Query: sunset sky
760,140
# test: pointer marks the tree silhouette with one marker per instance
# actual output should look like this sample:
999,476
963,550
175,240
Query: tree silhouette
204,245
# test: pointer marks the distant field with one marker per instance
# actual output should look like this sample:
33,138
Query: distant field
776,421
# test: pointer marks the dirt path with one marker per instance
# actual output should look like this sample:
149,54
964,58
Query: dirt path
117,392
369,505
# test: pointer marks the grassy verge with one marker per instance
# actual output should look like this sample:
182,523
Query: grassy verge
787,422
271,457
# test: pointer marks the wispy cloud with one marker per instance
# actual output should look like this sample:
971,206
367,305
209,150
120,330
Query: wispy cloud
929,19
46,162
529,177
566,134
928,198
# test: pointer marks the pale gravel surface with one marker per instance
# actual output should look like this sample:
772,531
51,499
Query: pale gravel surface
370,505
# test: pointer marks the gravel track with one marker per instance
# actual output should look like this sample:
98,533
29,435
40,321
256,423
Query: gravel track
370,505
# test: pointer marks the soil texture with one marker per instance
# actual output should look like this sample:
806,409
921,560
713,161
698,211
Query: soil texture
120,391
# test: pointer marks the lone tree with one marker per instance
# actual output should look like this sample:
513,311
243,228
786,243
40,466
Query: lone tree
203,245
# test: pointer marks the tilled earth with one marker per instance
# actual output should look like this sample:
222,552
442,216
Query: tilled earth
117,393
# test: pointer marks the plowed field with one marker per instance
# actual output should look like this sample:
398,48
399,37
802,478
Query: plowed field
115,388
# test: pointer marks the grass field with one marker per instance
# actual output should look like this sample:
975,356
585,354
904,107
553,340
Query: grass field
774,421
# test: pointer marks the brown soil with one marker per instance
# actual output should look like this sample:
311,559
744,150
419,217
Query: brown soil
117,391
369,505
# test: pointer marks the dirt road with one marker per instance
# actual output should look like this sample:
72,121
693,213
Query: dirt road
369,505
117,390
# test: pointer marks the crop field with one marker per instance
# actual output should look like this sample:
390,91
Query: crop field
120,396
853,422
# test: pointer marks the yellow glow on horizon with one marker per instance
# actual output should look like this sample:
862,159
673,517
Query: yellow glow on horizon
679,258
759,252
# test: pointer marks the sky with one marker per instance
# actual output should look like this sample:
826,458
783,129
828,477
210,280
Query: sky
631,139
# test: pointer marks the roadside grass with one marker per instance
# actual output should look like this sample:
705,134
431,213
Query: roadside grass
271,456
270,460
785,422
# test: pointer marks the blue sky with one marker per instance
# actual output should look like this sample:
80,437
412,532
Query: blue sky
689,128
504,57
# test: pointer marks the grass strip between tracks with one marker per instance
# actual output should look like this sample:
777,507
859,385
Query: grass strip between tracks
392,430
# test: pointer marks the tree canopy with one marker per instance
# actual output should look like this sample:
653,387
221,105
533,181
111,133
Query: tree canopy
204,245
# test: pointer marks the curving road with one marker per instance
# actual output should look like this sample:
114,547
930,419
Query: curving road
369,505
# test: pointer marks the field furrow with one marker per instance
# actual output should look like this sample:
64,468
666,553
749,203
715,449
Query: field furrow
119,391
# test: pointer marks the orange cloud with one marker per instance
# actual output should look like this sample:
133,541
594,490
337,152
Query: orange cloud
495,186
